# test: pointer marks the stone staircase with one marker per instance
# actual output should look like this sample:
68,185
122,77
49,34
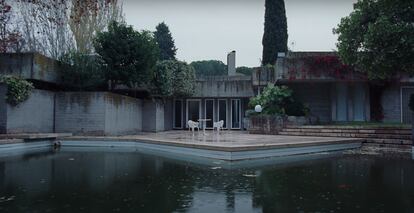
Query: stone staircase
377,135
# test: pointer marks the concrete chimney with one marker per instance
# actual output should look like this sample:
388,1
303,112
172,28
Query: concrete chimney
231,63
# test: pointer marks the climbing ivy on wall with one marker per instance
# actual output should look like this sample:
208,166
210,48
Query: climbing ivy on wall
18,89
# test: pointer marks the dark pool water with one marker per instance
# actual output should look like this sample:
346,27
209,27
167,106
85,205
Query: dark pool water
134,182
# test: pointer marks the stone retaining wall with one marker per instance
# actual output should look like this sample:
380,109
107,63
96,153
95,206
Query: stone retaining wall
97,113
34,115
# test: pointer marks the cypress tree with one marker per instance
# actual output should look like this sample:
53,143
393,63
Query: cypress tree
165,42
275,35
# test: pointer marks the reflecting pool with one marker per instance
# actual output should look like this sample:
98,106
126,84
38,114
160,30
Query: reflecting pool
69,181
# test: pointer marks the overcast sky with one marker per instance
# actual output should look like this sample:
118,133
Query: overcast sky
209,29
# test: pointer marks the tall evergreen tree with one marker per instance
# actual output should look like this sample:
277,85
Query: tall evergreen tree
275,35
165,42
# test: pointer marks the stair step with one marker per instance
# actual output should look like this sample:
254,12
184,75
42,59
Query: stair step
351,135
354,131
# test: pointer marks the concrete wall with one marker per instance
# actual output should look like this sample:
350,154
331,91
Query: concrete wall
123,115
154,117
391,104
35,115
97,113
30,66
221,87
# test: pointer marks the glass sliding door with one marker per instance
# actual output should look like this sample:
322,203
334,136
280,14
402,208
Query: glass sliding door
193,110
209,112
235,114
178,114
222,111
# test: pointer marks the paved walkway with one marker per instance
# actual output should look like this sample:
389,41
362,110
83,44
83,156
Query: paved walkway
226,140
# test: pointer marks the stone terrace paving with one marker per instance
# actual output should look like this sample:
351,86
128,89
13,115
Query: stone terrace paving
225,141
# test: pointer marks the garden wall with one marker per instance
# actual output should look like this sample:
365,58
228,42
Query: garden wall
270,125
35,115
157,115
97,113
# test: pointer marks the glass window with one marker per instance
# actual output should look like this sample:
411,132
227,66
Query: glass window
222,112
178,114
235,114
193,112
209,107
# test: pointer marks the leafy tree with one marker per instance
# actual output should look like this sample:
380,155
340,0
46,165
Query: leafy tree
165,42
184,79
87,17
81,72
10,38
245,70
275,35
209,68
44,26
128,57
164,78
378,37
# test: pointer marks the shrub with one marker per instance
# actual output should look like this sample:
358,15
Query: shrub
278,100
18,89
81,72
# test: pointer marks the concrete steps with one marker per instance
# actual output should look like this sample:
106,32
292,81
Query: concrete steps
388,135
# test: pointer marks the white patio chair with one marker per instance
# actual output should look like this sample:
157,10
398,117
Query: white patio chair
192,125
218,125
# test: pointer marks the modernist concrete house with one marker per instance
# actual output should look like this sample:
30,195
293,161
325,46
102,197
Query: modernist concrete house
332,91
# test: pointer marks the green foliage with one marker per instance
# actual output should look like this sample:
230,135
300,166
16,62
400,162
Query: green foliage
18,89
209,68
173,78
277,100
165,42
275,35
163,78
127,56
184,80
378,37
245,70
81,72
411,103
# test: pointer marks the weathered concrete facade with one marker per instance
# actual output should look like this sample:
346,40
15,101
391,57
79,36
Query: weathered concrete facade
32,116
30,66
224,87
97,113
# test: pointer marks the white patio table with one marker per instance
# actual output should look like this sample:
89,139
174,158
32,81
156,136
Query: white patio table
203,122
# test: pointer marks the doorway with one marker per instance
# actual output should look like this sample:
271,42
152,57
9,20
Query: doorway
193,110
